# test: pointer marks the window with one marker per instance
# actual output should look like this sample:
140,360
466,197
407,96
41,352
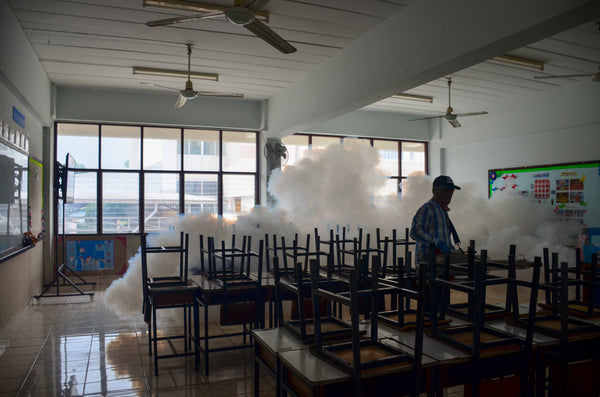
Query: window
201,150
321,142
161,200
201,193
121,147
81,141
388,165
238,193
161,148
413,157
134,179
398,158
297,147
120,202
81,216
239,151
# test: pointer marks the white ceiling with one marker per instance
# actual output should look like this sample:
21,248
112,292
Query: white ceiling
95,43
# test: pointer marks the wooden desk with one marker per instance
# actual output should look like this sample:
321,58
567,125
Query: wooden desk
453,366
211,293
579,348
305,374
174,296
268,344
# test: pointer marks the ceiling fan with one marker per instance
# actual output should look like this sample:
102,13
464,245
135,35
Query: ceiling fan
595,76
189,93
243,13
452,118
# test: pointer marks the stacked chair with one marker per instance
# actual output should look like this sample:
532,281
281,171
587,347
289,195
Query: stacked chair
236,286
569,366
168,292
364,356
475,336
464,274
296,286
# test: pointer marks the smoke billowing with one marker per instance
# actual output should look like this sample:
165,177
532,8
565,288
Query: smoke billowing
335,188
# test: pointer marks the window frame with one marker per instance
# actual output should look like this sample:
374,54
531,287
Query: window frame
142,172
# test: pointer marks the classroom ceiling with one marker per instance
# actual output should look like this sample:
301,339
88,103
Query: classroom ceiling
95,43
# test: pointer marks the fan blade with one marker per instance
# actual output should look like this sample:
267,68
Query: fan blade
454,123
220,94
180,102
160,86
470,114
563,76
171,21
184,5
267,34
429,118
256,4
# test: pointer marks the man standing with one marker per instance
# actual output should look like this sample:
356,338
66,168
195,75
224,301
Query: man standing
431,224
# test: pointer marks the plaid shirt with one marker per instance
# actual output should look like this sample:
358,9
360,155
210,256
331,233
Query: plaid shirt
429,225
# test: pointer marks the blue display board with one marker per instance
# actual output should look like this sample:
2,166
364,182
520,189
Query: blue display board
570,190
90,255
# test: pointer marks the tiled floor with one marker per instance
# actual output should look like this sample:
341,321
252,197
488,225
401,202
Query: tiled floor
76,346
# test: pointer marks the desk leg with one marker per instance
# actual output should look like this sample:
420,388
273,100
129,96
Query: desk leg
196,333
256,372
154,340
436,382
540,374
206,339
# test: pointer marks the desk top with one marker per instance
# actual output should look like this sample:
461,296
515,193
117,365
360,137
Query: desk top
312,369
432,348
278,340
316,371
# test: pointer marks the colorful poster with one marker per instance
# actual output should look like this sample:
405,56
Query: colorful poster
90,255
570,190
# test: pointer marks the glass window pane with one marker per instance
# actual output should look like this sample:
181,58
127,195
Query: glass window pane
81,141
120,147
390,189
82,215
161,197
239,151
120,202
201,150
201,193
162,150
13,197
297,146
413,157
388,155
238,195
321,142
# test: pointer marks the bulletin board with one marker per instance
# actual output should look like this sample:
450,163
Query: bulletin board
570,190
94,254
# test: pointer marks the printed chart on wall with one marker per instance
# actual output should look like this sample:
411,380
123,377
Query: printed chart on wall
90,255
570,190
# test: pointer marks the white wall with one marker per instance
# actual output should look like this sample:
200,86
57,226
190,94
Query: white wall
375,124
24,85
560,126
95,104
23,82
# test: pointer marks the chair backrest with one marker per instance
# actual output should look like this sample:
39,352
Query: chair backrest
149,280
181,250
242,292
353,299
